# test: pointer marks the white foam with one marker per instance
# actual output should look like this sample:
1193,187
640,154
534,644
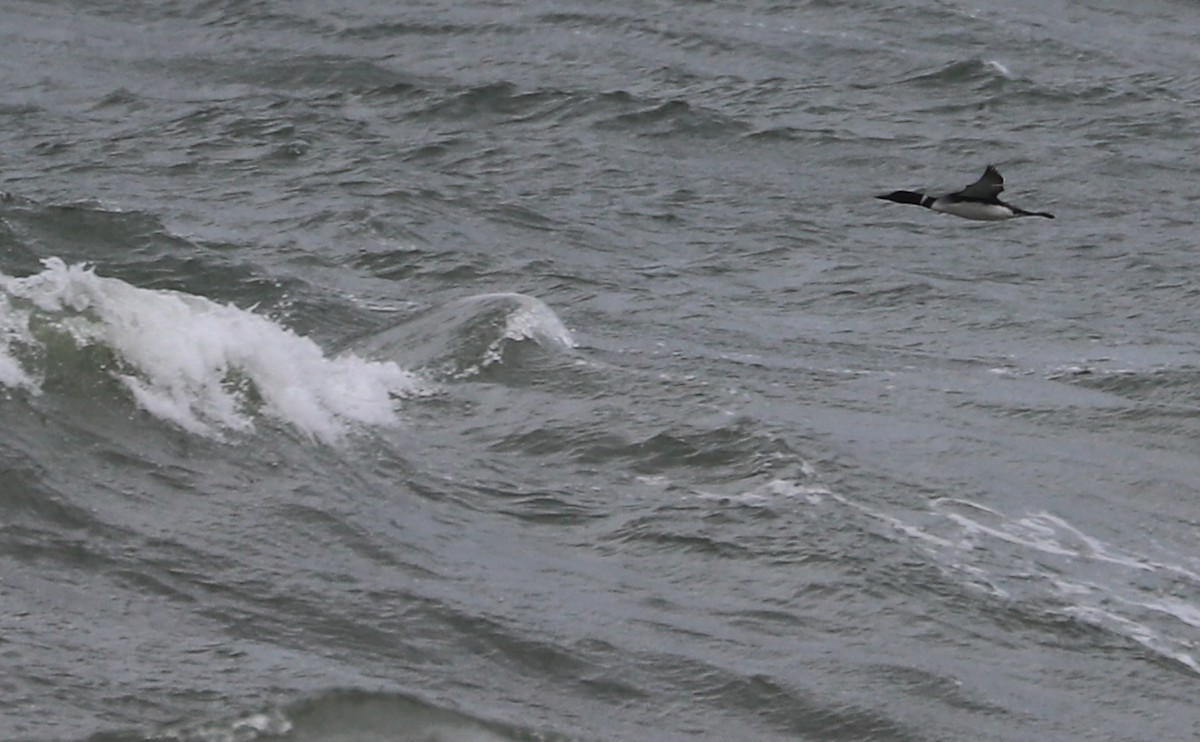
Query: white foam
12,334
536,321
766,493
271,723
11,373
199,364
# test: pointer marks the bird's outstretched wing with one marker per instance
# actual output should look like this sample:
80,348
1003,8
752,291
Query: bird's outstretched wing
987,187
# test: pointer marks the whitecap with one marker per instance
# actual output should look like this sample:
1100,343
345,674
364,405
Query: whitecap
998,67
206,367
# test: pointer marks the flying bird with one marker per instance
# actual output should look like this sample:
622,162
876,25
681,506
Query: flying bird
980,200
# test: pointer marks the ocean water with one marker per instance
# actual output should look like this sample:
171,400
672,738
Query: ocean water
547,371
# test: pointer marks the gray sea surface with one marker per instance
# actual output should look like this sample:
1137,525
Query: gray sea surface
483,371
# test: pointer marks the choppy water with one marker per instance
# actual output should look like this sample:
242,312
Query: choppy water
547,371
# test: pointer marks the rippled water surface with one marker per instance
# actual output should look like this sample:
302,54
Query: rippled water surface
548,371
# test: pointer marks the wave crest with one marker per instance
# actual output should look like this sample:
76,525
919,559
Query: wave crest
185,359
470,335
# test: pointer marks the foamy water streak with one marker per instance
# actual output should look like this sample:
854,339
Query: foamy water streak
1049,566
1038,561
203,366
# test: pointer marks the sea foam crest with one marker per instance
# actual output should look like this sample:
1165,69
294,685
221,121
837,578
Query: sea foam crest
194,362
529,320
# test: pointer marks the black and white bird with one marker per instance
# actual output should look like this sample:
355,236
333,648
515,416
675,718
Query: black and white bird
980,200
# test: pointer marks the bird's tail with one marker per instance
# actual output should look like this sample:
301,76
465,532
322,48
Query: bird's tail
1023,212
